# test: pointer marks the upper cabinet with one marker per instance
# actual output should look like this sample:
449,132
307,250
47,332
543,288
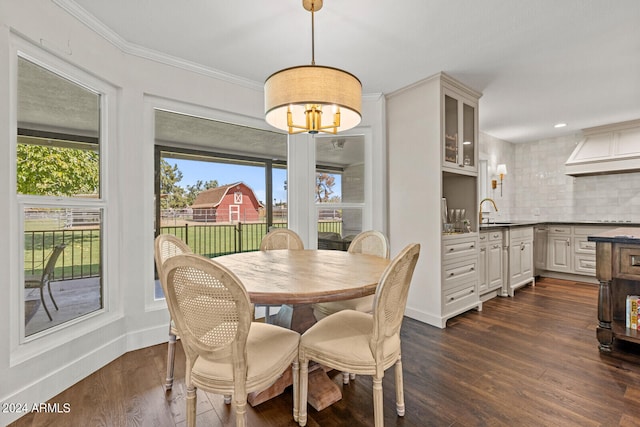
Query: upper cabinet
459,127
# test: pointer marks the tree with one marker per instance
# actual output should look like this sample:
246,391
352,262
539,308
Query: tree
194,190
57,171
324,186
172,195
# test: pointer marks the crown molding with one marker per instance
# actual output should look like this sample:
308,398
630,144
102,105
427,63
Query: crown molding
133,49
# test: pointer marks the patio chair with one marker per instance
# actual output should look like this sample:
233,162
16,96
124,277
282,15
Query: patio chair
279,238
44,279
363,343
225,351
167,246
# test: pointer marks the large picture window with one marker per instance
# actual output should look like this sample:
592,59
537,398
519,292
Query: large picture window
58,185
219,186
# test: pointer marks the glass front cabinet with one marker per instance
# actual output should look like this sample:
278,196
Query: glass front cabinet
460,131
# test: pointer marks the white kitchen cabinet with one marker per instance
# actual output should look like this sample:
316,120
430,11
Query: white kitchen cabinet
459,274
490,263
460,131
520,258
415,137
540,245
559,250
584,251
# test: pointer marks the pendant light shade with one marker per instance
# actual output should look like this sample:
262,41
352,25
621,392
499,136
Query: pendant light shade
312,98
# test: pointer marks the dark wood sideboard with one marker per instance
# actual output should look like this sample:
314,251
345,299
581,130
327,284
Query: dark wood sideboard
618,271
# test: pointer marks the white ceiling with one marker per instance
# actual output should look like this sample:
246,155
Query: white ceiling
537,62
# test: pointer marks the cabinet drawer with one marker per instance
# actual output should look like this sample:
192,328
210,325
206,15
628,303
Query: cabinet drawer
483,237
495,236
585,264
452,249
460,297
456,273
559,229
628,262
521,233
582,246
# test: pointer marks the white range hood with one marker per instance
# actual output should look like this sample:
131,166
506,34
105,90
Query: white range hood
607,149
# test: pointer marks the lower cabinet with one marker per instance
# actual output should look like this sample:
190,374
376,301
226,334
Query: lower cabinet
559,249
460,271
520,258
490,263
569,251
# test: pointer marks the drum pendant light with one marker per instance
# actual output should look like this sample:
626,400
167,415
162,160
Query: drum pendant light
312,98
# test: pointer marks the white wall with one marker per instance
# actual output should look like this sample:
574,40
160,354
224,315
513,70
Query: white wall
49,365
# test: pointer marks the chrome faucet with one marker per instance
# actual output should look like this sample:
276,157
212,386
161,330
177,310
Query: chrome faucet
480,209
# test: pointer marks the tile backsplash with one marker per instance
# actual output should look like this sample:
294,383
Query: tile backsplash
536,187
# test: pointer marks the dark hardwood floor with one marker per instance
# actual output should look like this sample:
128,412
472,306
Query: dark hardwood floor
531,360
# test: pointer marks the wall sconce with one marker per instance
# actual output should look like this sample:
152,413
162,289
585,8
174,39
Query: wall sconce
502,171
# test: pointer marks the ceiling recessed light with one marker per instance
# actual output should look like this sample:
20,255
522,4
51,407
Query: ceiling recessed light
559,125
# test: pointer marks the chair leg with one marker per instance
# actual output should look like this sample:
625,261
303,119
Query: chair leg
43,303
227,399
352,376
345,377
240,407
399,388
378,413
303,384
266,314
51,294
295,370
171,356
191,406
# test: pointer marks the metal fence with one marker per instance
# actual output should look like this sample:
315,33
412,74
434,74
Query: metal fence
81,258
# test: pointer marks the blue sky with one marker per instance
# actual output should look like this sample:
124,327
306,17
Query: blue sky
253,176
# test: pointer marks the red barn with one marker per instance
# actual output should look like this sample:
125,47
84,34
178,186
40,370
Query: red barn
227,203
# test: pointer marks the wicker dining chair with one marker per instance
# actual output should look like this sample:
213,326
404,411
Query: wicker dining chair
363,343
167,246
225,351
44,279
279,238
370,242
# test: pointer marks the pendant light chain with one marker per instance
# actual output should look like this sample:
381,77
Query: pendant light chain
313,43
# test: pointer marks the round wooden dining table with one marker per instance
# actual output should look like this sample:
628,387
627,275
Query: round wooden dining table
295,279
305,276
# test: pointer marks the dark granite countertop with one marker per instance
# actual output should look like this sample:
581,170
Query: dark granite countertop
492,226
618,235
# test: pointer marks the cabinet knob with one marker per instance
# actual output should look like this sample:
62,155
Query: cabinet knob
452,274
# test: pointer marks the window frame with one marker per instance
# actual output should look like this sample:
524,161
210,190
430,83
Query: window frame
24,347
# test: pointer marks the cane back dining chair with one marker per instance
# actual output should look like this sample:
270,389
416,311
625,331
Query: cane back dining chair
167,246
44,279
279,238
225,351
370,242
363,343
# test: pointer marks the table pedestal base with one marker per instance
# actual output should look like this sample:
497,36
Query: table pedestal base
323,392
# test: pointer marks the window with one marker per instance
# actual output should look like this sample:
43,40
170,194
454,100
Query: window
219,186
59,191
340,189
